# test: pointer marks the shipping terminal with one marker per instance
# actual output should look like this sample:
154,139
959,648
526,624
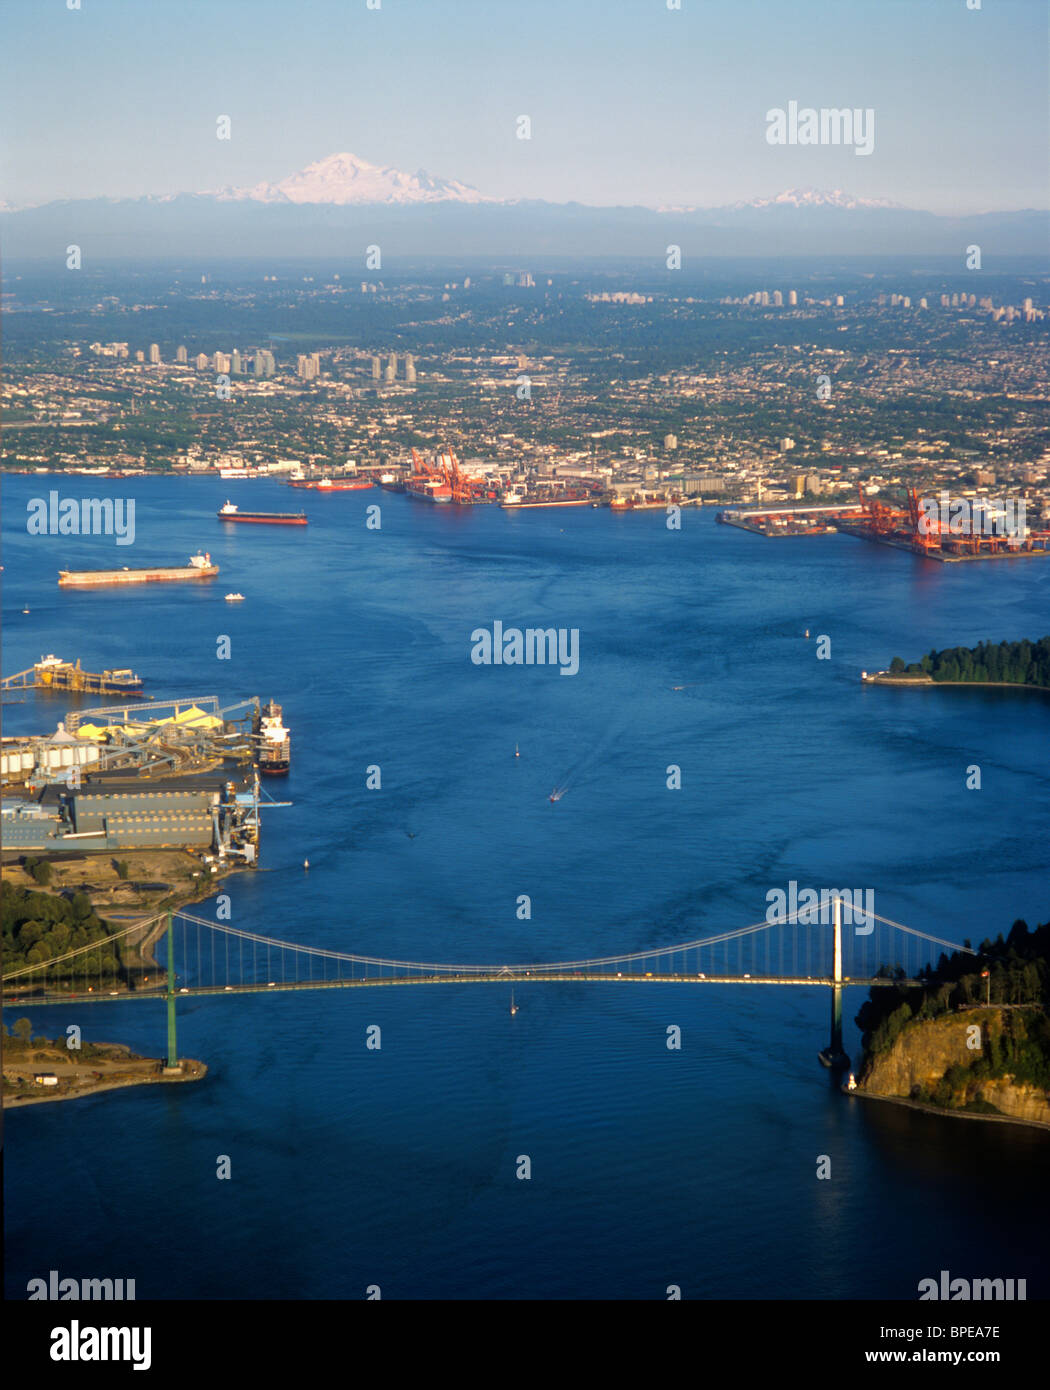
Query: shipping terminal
124,778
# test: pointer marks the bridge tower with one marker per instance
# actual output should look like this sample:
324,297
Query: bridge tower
833,1055
173,1051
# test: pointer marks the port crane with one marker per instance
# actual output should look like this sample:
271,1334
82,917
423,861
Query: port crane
912,525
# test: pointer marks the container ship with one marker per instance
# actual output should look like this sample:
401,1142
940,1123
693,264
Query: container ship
428,489
331,484
231,512
272,740
199,567
565,497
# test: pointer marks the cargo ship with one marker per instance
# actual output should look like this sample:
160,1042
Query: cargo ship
428,489
565,497
272,740
332,484
231,512
199,567
646,503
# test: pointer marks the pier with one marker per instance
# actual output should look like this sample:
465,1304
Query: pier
52,673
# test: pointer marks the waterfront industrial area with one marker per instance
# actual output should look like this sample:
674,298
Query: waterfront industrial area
627,390
171,774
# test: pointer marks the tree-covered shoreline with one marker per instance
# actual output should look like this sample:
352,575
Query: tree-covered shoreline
1005,663
38,927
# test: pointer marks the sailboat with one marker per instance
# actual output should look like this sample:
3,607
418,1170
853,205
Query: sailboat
516,753
513,1006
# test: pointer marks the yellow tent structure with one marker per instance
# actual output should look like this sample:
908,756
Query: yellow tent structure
193,718
95,731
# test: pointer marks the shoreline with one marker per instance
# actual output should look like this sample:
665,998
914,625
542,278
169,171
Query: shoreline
927,682
194,1071
122,918
951,1114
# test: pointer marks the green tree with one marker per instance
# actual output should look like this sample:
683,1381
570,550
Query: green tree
23,1030
81,905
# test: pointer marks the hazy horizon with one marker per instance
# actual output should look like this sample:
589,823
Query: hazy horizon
635,107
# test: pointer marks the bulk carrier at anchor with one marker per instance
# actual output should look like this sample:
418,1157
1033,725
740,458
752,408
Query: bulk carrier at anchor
231,512
199,567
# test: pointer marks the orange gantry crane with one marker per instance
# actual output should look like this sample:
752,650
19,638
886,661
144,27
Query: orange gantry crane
465,489
915,526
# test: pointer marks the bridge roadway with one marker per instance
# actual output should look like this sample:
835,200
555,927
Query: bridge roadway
501,977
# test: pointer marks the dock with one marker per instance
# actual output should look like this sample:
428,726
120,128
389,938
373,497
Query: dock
52,673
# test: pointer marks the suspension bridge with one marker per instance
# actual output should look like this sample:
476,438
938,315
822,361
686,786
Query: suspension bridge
808,946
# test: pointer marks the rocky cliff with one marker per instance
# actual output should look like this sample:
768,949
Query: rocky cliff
933,1061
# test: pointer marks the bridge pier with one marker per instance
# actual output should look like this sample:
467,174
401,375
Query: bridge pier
833,1055
173,1051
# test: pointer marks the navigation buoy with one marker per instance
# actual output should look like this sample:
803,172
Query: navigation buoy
306,863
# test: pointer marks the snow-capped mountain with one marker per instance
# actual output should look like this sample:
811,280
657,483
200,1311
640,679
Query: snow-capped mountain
344,179
344,201
817,198
797,198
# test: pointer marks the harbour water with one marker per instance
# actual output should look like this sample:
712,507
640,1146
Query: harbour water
352,1167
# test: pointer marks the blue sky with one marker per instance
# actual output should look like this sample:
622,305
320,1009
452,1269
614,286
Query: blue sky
630,102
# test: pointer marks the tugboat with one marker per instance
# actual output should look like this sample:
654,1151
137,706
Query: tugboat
272,740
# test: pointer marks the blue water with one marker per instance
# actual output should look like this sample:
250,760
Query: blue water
649,1167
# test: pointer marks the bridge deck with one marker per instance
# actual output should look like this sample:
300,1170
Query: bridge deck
501,977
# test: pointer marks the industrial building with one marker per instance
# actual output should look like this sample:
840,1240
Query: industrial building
106,814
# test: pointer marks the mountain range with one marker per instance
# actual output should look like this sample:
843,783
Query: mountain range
328,207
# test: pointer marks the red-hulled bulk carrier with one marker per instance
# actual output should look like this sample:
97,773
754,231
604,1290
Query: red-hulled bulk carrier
199,567
231,512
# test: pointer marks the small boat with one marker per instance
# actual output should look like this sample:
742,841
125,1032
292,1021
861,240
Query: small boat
234,598
25,610
516,753
807,631
513,1006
